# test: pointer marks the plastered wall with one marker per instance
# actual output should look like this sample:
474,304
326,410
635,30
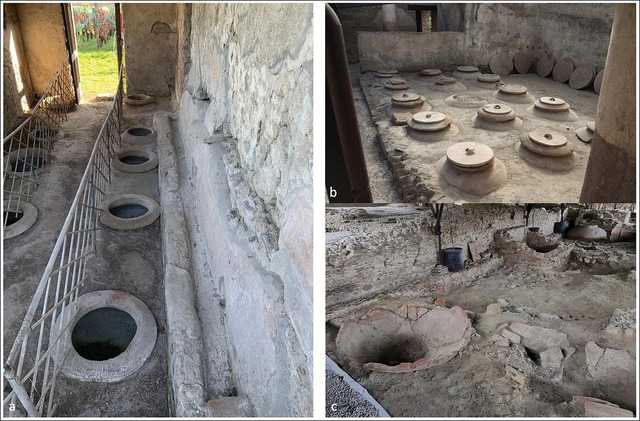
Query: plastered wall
16,81
578,31
150,44
246,73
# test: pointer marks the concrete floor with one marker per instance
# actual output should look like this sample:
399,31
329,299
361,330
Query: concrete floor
526,183
129,261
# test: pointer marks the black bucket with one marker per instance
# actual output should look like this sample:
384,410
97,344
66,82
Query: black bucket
560,227
534,229
454,259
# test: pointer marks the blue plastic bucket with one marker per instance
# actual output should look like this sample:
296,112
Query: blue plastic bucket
454,259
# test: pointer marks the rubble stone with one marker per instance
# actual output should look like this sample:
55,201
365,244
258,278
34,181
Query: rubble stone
551,358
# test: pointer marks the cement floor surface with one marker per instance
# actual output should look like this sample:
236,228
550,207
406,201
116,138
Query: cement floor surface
129,261
525,183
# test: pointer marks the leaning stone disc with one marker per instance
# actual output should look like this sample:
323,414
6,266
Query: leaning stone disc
488,77
428,117
597,82
547,138
513,88
445,80
521,62
501,64
582,76
563,69
408,97
591,125
545,66
467,69
497,109
550,100
469,154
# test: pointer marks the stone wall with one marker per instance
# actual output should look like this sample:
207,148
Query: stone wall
16,82
578,31
150,44
369,18
366,257
44,41
245,122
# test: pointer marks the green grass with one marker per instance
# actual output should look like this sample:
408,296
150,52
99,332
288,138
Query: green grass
98,68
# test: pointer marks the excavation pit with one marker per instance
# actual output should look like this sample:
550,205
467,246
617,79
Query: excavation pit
111,338
408,339
103,333
19,218
134,160
139,136
129,211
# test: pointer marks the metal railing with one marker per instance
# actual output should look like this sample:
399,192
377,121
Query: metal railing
26,149
42,342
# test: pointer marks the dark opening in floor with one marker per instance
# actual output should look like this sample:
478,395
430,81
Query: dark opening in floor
139,131
133,159
103,333
12,217
128,211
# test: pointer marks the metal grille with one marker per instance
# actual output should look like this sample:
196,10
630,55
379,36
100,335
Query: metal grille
27,148
41,344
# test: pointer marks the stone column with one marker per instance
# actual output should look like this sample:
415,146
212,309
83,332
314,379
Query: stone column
388,17
611,170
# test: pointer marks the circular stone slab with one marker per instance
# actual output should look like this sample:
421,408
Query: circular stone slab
582,76
547,138
386,73
408,97
550,100
512,89
584,134
591,125
501,64
563,69
445,80
488,77
430,72
469,154
545,66
429,117
521,62
498,109
467,69
545,150
549,108
597,82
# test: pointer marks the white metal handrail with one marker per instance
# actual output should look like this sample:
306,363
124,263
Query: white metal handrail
26,149
39,349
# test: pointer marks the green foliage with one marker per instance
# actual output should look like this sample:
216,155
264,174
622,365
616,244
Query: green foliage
98,68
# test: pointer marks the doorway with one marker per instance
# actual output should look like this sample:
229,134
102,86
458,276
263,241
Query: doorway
96,35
